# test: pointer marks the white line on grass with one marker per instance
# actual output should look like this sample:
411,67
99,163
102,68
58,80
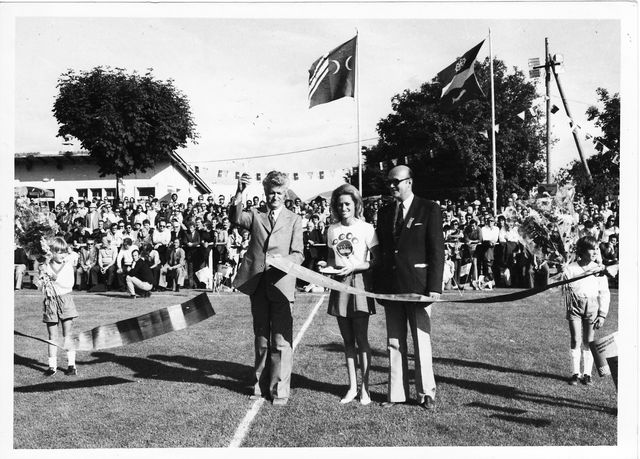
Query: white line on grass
243,427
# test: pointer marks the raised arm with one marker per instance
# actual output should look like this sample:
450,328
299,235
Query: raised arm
236,215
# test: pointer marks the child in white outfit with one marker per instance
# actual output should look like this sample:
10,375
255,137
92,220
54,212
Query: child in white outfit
58,303
587,305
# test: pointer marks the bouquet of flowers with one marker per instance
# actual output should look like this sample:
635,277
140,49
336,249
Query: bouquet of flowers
32,227
548,226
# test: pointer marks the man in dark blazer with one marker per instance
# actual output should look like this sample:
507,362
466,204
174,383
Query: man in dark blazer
412,245
275,232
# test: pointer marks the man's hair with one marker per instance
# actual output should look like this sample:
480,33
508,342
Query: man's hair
276,179
586,243
349,190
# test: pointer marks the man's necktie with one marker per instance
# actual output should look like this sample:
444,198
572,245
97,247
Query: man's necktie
272,219
397,227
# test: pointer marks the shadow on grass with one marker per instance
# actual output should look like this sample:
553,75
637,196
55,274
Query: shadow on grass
506,409
152,368
72,384
526,421
489,366
338,347
512,393
28,362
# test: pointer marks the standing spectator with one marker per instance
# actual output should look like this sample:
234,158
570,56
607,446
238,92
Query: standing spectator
488,240
610,228
139,278
412,247
92,218
471,240
275,232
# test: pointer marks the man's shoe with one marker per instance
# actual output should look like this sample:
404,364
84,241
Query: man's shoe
428,403
280,401
586,380
574,379
71,371
50,371
389,404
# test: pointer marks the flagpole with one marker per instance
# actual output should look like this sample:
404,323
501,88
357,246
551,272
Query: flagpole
493,130
357,94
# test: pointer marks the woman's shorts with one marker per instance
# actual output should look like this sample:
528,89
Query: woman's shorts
582,308
55,311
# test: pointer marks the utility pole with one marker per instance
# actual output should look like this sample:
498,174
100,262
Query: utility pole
573,124
547,81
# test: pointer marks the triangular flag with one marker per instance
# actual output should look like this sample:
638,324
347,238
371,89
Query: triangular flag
394,161
521,115
332,76
295,176
406,160
604,148
310,174
381,166
219,173
237,175
459,80
588,136
554,109
321,175
497,128
484,134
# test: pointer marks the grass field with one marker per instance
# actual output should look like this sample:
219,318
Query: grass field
500,368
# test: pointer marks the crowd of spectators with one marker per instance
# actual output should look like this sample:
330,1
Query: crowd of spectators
180,240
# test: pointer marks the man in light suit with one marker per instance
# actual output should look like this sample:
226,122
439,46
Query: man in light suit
275,232
412,245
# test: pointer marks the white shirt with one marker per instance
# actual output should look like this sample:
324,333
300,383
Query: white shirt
351,244
405,205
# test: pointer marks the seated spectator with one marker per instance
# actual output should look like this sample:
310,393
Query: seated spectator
99,232
139,278
191,242
114,236
161,239
20,265
104,271
176,266
610,228
609,250
124,260
87,260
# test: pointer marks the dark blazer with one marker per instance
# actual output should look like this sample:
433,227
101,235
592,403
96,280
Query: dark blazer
413,262
142,271
285,239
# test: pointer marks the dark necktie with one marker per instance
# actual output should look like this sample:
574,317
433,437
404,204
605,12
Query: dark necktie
272,219
397,227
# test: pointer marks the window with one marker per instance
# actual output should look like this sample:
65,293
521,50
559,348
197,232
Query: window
146,191
96,192
110,193
83,194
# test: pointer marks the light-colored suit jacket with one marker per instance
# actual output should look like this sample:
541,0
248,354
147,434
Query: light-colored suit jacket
285,240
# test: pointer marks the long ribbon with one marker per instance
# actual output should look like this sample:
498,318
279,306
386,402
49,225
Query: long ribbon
313,277
146,326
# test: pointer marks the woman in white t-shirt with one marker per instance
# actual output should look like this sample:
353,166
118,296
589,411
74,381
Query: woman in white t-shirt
353,249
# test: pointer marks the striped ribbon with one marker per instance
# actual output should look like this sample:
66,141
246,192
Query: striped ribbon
315,278
146,326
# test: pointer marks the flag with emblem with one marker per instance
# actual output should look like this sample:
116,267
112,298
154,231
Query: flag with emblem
459,82
333,76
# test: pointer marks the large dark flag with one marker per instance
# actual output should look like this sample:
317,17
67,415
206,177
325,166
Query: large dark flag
333,76
459,80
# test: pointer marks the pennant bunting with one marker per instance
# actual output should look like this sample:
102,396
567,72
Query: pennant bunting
394,161
484,134
521,115
332,76
554,109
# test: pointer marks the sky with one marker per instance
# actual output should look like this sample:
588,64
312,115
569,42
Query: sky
246,77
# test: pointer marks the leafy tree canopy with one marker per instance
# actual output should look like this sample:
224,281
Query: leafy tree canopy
453,159
605,164
127,122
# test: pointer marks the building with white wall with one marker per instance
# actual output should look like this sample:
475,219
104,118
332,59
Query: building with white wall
75,174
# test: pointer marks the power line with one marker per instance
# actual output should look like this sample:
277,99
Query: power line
281,154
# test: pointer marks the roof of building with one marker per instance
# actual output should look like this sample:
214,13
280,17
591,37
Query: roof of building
183,167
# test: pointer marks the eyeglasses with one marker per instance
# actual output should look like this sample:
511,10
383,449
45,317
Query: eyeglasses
395,181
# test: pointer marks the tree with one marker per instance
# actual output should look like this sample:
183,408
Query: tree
127,122
452,158
605,164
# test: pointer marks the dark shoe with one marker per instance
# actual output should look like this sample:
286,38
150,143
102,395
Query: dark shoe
280,401
574,380
146,294
389,404
586,380
50,371
428,403
71,371
134,296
